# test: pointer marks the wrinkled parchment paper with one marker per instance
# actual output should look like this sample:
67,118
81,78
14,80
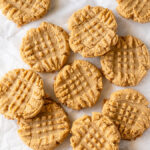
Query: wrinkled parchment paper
10,40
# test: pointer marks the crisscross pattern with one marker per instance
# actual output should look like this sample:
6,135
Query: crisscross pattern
78,85
24,11
137,10
93,31
46,48
21,93
48,129
94,133
127,63
129,111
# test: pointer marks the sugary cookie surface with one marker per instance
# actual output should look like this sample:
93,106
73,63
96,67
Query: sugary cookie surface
24,11
21,94
46,48
94,133
127,63
129,111
47,130
78,85
93,31
138,10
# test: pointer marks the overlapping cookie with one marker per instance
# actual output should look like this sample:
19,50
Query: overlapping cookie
78,85
47,130
21,94
137,10
93,31
24,11
127,63
46,48
129,111
94,133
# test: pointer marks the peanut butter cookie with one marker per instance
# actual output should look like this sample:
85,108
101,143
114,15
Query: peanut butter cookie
127,63
94,133
78,85
93,31
47,130
46,48
137,10
129,111
21,94
24,11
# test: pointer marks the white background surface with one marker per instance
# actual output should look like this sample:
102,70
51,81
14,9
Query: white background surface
10,40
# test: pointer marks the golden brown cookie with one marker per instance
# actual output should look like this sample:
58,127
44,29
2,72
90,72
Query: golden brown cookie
137,10
21,94
46,48
24,11
129,111
93,31
127,63
94,133
78,85
47,130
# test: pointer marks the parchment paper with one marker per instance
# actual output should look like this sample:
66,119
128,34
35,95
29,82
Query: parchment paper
10,40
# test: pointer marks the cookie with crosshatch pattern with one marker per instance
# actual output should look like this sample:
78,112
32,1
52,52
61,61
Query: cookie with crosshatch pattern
94,133
78,85
46,48
47,130
93,31
24,11
130,112
127,62
21,94
136,10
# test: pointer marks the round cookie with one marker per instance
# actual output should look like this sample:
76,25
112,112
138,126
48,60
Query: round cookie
127,63
129,111
46,48
136,10
21,94
94,133
24,11
78,85
47,130
93,31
